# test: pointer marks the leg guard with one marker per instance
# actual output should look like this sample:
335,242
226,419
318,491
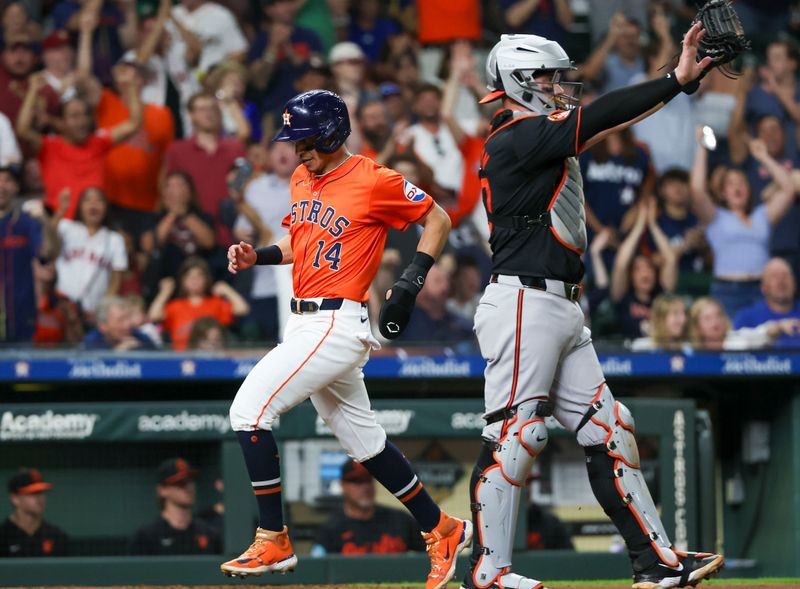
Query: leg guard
497,482
616,478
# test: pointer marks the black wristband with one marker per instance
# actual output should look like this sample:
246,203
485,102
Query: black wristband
424,260
269,256
413,277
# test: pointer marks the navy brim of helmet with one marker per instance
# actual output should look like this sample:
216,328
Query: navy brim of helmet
492,96
289,134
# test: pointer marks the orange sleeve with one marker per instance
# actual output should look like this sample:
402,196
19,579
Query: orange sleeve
395,201
224,311
170,315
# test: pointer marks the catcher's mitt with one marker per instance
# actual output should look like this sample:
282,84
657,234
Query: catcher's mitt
724,40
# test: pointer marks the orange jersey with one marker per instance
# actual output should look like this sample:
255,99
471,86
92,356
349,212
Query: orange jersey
338,225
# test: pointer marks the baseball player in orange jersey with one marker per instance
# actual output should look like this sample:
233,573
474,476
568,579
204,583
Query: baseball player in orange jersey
539,356
342,206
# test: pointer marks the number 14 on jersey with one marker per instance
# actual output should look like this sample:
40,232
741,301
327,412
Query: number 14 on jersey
332,255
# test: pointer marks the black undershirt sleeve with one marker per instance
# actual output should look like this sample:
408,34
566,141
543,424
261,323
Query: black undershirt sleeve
625,104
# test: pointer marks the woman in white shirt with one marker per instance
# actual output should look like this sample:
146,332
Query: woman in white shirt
92,257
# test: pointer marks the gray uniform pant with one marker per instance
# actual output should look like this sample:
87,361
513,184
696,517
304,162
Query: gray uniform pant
536,347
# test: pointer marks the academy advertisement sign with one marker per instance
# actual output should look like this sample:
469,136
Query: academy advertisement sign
19,426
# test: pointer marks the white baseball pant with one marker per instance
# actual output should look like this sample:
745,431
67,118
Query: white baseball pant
321,358
536,347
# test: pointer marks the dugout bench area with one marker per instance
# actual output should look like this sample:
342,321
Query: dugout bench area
724,485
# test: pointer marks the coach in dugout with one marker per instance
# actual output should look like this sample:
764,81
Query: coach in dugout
25,533
363,527
176,530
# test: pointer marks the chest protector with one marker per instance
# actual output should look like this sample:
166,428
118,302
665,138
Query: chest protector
565,216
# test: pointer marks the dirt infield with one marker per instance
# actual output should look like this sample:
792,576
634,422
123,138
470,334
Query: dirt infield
721,584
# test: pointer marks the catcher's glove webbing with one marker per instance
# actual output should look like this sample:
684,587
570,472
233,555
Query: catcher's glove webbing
724,40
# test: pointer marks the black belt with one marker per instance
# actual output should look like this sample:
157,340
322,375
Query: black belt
520,222
571,291
543,409
300,306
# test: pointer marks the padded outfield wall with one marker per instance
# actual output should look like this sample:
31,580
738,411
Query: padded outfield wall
726,433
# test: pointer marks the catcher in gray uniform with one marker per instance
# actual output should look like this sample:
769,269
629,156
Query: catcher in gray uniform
539,356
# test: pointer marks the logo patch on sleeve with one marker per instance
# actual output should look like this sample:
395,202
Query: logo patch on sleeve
413,193
559,115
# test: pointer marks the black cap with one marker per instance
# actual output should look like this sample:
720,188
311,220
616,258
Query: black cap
14,170
355,472
27,481
174,471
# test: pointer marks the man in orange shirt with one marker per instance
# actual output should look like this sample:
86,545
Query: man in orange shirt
342,206
132,168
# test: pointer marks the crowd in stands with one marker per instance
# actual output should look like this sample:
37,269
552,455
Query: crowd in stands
135,147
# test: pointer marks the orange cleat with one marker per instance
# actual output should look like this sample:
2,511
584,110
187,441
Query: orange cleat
270,552
444,542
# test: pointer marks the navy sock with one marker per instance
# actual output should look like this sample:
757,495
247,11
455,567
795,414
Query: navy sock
264,466
392,470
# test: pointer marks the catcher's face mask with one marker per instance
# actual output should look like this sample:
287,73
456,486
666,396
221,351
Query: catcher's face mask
549,88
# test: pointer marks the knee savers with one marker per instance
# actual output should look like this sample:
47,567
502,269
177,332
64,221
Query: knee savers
626,477
521,442
498,489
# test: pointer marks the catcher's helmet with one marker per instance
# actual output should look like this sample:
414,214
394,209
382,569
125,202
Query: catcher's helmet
317,113
514,62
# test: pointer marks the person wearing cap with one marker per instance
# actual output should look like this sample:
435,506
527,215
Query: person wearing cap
74,159
349,67
25,532
58,58
17,60
131,169
176,530
363,527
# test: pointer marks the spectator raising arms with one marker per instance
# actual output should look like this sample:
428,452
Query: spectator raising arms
677,221
181,230
207,157
196,298
131,169
636,279
215,27
738,233
75,159
616,171
92,257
